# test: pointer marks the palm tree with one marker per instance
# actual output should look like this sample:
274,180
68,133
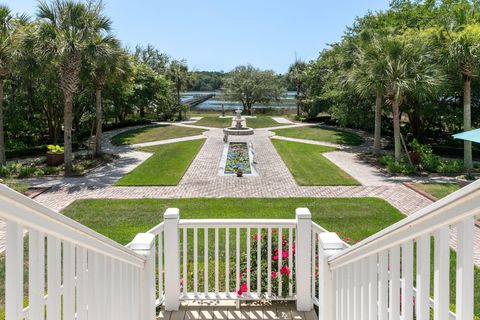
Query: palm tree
177,72
367,78
295,76
6,52
464,53
66,29
408,69
104,56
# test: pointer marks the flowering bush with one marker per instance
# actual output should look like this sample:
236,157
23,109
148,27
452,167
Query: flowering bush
277,275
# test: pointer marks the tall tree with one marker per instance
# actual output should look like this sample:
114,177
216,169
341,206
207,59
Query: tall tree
408,68
295,76
66,29
250,85
178,74
366,76
104,55
155,59
464,53
6,52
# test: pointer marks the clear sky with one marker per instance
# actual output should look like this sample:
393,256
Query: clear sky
220,34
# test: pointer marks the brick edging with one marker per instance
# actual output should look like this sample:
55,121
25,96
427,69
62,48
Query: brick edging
421,192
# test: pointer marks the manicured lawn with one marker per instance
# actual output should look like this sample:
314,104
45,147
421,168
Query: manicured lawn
165,167
214,121
155,133
309,167
263,122
120,220
320,134
438,190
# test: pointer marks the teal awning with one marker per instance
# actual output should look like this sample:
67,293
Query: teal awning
472,135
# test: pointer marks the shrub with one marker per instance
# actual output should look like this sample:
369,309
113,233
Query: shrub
55,149
431,162
26,171
451,167
385,160
400,167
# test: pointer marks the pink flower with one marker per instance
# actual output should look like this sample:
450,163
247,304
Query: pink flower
284,270
241,275
242,290
274,274
285,254
274,230
256,237
275,258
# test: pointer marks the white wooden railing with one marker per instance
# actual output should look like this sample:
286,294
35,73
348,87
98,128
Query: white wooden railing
88,275
220,259
375,278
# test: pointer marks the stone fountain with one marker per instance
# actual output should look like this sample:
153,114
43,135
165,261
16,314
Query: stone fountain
238,129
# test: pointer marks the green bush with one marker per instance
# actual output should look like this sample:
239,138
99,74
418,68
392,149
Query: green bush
385,160
451,167
431,162
26,172
400,167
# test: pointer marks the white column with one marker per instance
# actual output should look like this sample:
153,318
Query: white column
172,258
303,259
330,244
144,244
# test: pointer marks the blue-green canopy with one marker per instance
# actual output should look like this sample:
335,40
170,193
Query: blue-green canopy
472,135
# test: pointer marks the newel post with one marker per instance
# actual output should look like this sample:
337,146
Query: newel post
144,244
303,259
172,259
330,244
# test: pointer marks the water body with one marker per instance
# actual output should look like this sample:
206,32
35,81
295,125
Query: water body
215,103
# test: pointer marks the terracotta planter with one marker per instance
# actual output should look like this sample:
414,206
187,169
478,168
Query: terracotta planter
240,173
415,157
55,159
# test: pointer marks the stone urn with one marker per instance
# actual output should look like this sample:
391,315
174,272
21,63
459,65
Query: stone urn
239,172
55,159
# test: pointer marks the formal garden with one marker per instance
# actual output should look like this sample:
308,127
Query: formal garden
363,136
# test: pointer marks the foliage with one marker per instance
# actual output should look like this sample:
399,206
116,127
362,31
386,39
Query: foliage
250,85
154,133
318,133
207,80
394,166
55,149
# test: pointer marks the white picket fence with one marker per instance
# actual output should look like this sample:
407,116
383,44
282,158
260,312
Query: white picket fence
91,277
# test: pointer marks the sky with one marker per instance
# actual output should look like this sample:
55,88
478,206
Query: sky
217,35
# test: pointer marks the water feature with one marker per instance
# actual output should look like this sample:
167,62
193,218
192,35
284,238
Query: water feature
239,129
237,155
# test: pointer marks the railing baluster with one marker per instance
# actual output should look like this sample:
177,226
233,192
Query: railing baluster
185,261
357,283
205,262
465,280
372,287
407,281
350,291
290,261
442,274
394,283
338,294
216,262
422,301
248,259
227,261
237,259
364,289
36,275
269,261
383,285
195,261
68,281
344,297
279,254
53,278
160,264
259,261
82,283
14,272
314,263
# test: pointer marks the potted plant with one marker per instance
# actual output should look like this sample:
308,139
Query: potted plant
239,172
55,155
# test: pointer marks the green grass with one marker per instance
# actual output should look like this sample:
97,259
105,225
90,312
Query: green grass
262,122
165,167
320,134
309,167
120,220
438,190
156,133
214,121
